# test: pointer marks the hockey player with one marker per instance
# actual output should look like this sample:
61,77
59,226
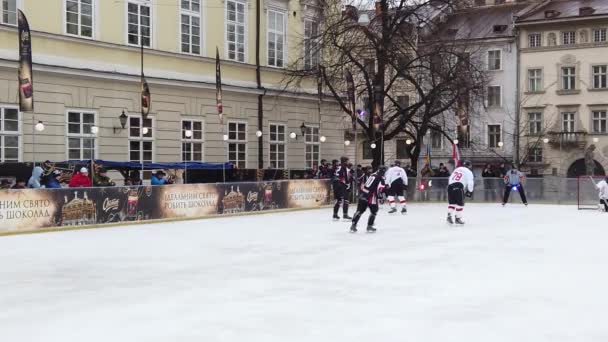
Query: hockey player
341,185
602,187
461,184
396,178
513,180
369,199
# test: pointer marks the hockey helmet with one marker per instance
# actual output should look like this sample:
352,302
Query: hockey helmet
343,160
397,163
381,170
467,164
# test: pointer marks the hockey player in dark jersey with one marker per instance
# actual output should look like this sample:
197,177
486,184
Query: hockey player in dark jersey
369,199
341,183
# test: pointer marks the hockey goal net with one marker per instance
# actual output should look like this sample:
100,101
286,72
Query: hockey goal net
587,196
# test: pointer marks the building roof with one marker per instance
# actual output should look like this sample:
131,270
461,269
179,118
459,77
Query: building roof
565,9
481,22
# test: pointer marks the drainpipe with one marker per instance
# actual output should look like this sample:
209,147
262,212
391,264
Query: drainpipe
258,78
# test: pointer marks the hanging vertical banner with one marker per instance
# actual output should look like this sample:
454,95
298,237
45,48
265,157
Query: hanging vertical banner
218,86
350,91
26,80
145,90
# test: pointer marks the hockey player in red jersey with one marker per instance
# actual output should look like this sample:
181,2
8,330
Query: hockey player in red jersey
461,185
369,199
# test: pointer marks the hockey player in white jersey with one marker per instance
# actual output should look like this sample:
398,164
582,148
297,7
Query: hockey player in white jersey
461,185
396,178
602,187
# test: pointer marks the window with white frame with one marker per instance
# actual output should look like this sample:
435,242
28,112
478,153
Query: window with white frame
313,146
276,38
534,40
567,122
235,30
599,121
311,53
9,135
79,18
535,155
535,80
191,26
600,73
599,35
141,139
568,38
494,96
192,140
494,136
494,60
9,12
237,144
82,141
277,146
401,148
436,139
535,122
568,78
139,22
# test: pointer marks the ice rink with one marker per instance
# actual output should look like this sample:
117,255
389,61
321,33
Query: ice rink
511,274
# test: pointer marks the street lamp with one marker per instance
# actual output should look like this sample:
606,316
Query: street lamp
546,140
346,142
292,135
258,134
188,133
596,140
94,130
145,130
303,128
373,146
322,139
225,137
408,142
455,141
500,144
39,126
123,121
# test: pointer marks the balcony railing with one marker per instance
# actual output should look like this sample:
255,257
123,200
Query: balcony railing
568,140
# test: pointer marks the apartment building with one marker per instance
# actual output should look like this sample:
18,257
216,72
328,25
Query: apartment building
563,87
86,56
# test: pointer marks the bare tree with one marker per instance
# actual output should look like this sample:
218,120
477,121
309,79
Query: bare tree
410,74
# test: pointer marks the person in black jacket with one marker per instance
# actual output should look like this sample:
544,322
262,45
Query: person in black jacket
368,198
442,182
341,184
489,191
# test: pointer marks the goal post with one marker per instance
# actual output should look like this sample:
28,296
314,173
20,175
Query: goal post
587,193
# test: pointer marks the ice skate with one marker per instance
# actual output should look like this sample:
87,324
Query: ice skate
336,217
404,210
450,221
459,221
393,210
371,229
346,217
353,228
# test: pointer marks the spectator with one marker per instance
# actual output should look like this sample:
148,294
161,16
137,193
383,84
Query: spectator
159,178
489,185
19,184
425,184
5,184
410,172
502,171
324,170
34,182
81,179
102,179
134,178
52,181
442,174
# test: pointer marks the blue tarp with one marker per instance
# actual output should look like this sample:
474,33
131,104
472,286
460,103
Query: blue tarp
151,166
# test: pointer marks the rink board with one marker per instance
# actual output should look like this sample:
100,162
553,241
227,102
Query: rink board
32,210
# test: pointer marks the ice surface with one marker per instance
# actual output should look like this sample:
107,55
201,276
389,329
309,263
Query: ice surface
511,274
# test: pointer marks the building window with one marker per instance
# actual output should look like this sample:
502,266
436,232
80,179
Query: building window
9,12
568,78
568,38
494,136
141,140
535,155
403,101
312,146
276,38
237,144
192,140
599,76
535,121
494,60
464,136
535,80
9,135
311,53
368,151
534,40
567,122
599,121
235,30
436,139
369,64
599,35
191,26
139,20
81,140
79,18
277,146
494,96
401,148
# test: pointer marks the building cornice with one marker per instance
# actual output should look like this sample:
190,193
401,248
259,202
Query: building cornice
560,20
591,45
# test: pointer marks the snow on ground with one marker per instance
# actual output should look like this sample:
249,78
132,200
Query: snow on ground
511,274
